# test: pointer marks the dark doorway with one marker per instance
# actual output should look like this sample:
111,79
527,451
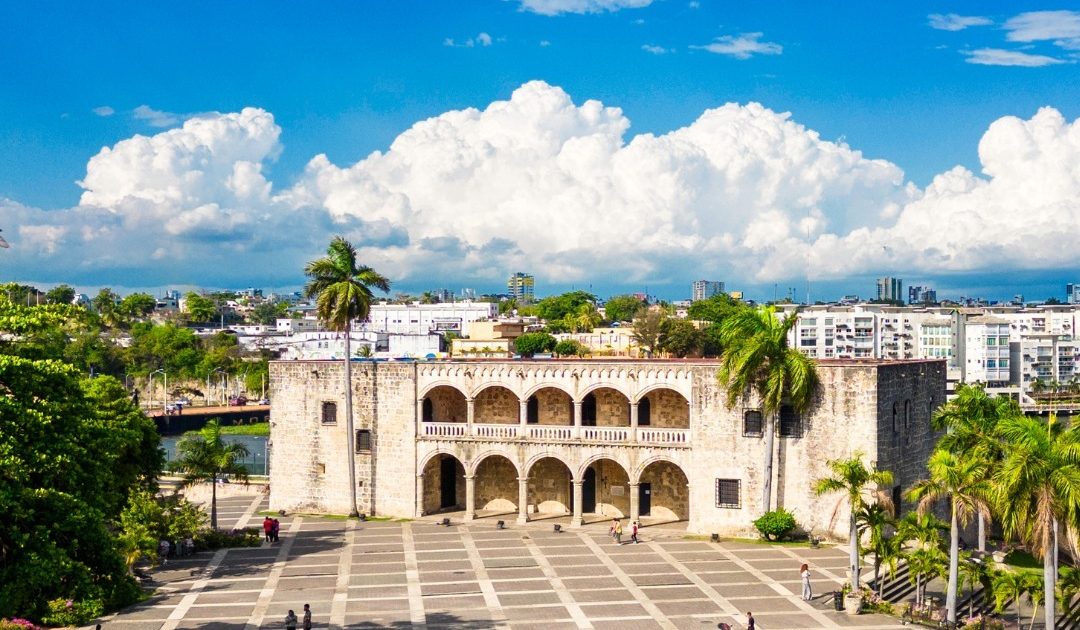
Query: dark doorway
428,411
532,411
644,412
447,482
644,499
588,491
588,411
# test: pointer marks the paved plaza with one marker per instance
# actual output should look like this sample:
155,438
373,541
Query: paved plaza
420,574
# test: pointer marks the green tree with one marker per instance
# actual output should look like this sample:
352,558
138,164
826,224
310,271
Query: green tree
507,306
875,519
106,305
137,305
60,294
583,319
648,324
1008,586
342,289
557,307
570,348
204,457
1037,489
199,308
715,308
758,362
680,337
622,308
268,312
858,485
972,573
531,343
962,481
925,564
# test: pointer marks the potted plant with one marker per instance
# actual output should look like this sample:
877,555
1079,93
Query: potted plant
852,600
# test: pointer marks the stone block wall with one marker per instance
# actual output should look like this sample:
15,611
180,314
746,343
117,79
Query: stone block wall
670,491
433,485
496,405
496,484
668,409
554,407
448,405
550,486
612,408
394,439
612,489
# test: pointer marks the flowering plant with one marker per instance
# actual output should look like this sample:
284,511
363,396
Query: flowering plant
16,623
69,612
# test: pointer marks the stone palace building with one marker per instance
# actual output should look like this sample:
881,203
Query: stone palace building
586,439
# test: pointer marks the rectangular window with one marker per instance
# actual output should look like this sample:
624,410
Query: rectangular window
727,494
363,440
991,363
753,423
790,422
329,412
1003,363
991,341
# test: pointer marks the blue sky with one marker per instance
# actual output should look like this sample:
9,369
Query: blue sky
345,79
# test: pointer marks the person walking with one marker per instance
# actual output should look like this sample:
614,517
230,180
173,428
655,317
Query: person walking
307,617
611,530
633,532
275,531
290,621
268,528
749,621
804,573
618,532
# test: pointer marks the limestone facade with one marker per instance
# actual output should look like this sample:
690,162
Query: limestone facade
590,439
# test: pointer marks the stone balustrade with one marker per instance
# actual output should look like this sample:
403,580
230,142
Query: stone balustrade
608,435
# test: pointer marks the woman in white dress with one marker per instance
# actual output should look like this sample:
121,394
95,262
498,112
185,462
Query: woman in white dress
804,573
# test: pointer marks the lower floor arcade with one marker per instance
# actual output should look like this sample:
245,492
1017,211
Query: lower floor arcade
547,487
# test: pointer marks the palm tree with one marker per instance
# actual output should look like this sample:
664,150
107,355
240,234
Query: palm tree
1037,487
924,564
758,362
1008,585
342,290
969,421
963,482
888,556
972,574
859,484
205,457
1068,587
875,519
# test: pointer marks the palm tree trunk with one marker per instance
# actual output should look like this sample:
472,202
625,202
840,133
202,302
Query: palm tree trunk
766,487
213,502
954,569
853,533
349,420
982,534
1049,577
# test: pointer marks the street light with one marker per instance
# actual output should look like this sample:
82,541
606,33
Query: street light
216,370
165,375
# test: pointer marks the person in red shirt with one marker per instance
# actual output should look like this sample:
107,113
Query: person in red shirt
268,527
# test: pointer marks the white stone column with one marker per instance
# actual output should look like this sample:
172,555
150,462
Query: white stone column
470,415
470,497
633,421
419,495
419,416
523,500
523,416
577,419
634,506
575,520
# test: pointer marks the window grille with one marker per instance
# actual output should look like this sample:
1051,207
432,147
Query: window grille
329,412
728,493
753,423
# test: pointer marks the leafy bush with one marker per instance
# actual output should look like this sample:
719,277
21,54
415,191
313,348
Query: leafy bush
17,624
570,348
775,525
531,343
67,612
210,539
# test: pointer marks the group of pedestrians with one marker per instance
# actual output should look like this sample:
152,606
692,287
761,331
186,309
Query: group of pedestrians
290,619
271,529
616,531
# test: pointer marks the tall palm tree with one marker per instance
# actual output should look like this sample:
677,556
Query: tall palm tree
757,361
972,575
875,519
1008,585
970,420
924,564
859,485
342,290
1037,488
961,480
205,457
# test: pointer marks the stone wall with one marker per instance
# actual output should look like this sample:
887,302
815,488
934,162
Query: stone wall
496,405
448,405
612,489
612,408
550,486
670,491
667,409
394,439
433,485
554,407
496,484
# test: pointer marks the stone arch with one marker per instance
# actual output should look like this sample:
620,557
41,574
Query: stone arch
545,385
663,407
550,484
443,482
635,476
610,407
592,459
648,389
605,486
667,488
553,406
601,385
496,404
496,482
448,403
424,391
479,459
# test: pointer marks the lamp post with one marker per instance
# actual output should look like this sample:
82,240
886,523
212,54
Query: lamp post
165,375
215,371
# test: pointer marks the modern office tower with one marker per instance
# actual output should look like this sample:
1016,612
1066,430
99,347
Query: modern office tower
520,287
890,289
705,289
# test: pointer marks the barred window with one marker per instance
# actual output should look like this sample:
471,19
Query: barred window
363,440
790,422
753,423
329,412
728,493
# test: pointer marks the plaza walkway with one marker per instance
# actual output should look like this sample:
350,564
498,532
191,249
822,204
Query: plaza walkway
420,574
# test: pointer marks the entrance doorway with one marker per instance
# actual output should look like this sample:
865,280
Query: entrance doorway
644,499
447,483
588,491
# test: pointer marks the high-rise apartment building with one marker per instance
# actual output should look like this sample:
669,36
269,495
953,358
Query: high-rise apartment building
921,295
1072,293
705,289
520,287
891,289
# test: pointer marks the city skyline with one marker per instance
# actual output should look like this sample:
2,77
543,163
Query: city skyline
602,144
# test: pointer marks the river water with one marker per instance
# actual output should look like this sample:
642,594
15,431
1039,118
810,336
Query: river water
257,462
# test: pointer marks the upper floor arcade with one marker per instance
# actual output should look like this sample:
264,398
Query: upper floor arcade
557,402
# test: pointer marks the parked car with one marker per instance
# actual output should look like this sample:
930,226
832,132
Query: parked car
238,401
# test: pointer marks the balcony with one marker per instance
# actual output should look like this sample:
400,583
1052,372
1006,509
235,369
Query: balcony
567,434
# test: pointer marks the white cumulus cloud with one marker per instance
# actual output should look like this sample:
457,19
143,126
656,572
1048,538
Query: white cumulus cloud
156,117
104,111
954,22
1043,25
556,7
541,183
742,46
1000,57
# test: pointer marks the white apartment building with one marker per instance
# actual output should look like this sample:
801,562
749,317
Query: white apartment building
983,357
417,319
